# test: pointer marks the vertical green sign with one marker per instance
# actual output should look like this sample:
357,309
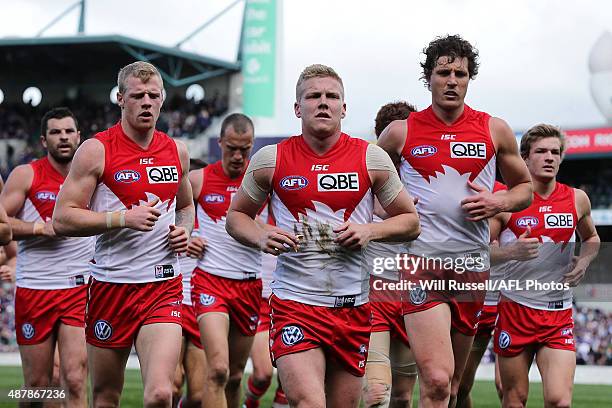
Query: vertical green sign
259,57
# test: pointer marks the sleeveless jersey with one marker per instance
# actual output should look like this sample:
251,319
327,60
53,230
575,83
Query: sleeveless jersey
224,256
553,221
133,176
46,263
188,264
497,271
437,161
312,195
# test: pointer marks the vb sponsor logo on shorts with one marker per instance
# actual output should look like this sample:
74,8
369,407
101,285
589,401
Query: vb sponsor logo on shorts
206,299
291,335
27,330
418,296
504,340
103,330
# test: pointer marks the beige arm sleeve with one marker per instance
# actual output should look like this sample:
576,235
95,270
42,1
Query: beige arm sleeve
264,158
378,159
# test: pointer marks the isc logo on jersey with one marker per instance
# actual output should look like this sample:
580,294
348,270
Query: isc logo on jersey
527,221
127,176
293,182
46,196
467,150
338,182
559,220
162,174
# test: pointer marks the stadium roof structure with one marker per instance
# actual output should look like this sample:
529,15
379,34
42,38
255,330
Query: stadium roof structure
84,58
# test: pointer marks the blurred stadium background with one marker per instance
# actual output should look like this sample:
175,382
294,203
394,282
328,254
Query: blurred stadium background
79,72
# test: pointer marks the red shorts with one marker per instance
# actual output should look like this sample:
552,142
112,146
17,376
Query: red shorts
387,312
342,333
116,311
39,311
240,299
465,304
191,330
486,325
264,315
520,326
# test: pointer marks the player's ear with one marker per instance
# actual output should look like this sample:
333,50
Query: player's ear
343,110
297,110
43,141
120,101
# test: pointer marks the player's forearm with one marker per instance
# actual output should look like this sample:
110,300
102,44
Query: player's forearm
78,222
517,198
24,230
243,228
5,233
185,217
589,249
499,255
399,228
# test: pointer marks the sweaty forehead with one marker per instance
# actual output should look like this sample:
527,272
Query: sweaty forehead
457,63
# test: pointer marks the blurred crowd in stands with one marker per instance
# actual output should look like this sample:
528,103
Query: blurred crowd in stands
179,118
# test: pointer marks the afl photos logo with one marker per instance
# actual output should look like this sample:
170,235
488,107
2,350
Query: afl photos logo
292,335
28,331
103,330
504,339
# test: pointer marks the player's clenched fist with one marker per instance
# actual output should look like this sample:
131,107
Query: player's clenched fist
196,247
352,235
276,241
178,239
142,217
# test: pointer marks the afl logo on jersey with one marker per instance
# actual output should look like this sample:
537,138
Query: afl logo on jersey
466,150
103,330
46,196
527,221
423,151
504,339
293,183
292,335
559,220
27,330
127,176
162,174
214,198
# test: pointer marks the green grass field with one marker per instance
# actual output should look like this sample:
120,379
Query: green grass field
484,395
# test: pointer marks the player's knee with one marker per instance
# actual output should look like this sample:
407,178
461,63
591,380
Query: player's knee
401,401
234,379
262,378
306,401
377,394
218,374
38,380
76,382
105,398
515,399
558,401
158,396
436,384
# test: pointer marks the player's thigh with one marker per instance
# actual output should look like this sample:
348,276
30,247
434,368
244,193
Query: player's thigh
557,368
342,388
478,349
514,373
72,351
260,354
239,347
179,372
37,361
462,347
214,331
107,368
303,375
158,346
429,334
194,362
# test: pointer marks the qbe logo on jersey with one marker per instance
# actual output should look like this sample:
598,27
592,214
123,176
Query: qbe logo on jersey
559,220
467,150
162,174
338,182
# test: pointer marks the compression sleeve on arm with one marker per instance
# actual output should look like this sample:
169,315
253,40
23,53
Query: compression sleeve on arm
264,158
378,159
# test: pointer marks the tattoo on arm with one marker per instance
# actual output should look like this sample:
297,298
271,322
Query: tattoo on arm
185,218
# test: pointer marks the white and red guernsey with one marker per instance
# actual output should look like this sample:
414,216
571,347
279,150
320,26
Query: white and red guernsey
134,176
188,264
437,161
553,221
224,256
45,263
312,195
